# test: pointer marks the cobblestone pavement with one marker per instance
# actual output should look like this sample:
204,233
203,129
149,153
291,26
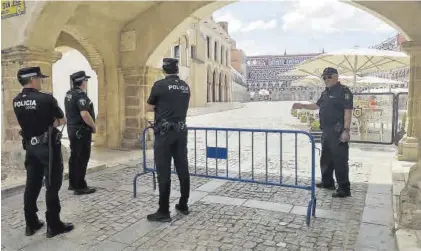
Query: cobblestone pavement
227,215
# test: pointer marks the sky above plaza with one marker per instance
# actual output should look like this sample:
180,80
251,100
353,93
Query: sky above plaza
307,26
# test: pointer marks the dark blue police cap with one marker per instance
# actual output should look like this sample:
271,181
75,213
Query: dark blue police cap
170,62
329,71
79,76
30,72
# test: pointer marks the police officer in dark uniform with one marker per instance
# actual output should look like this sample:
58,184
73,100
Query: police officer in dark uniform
335,114
80,116
169,98
37,113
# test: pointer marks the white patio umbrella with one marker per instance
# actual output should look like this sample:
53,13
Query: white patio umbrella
318,82
308,81
394,90
378,82
353,62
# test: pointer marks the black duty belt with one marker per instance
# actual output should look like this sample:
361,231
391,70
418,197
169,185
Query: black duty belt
165,126
39,140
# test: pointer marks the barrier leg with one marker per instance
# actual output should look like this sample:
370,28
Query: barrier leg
135,185
135,182
154,180
309,207
314,207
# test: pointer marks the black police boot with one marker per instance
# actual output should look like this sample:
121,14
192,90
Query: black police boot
325,185
31,229
86,190
59,228
182,209
340,193
159,216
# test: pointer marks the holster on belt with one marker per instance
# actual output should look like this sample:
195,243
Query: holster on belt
82,131
164,126
23,140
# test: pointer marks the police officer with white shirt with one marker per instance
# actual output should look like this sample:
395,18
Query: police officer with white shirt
37,113
169,99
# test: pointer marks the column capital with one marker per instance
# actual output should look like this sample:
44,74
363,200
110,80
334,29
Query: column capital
24,54
412,47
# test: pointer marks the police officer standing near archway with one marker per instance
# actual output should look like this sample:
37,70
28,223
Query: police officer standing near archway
169,98
37,113
335,113
80,116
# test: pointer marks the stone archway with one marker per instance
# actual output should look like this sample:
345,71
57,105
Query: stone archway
72,38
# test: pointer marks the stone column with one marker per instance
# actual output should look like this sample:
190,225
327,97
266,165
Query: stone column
100,137
138,84
410,197
12,60
408,147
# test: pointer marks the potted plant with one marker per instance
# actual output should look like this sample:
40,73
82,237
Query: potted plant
315,131
294,112
310,120
315,126
303,118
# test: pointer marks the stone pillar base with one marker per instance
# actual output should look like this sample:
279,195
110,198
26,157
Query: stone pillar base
13,159
410,200
408,149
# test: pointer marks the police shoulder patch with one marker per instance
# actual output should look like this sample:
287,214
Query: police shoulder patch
347,96
82,102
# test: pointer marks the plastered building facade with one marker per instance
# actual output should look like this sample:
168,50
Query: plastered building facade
123,41
203,51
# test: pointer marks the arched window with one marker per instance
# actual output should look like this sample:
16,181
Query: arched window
215,52
208,44
176,52
222,55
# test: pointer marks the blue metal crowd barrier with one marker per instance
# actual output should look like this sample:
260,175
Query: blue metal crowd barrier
223,154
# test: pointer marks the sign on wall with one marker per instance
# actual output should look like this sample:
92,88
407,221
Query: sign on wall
12,8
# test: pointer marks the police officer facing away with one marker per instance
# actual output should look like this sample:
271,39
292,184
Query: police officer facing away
37,113
336,106
80,116
169,98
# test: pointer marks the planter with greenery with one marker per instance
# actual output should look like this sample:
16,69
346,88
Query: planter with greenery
315,126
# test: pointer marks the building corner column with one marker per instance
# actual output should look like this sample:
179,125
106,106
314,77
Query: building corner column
409,214
12,60
138,84
408,147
